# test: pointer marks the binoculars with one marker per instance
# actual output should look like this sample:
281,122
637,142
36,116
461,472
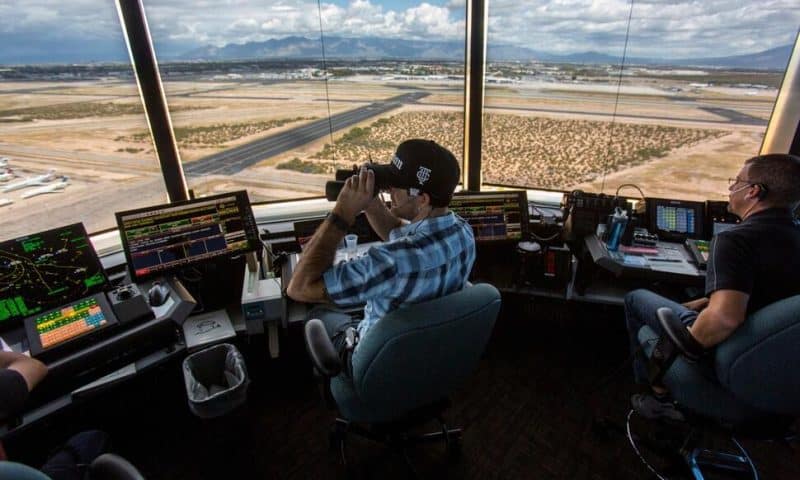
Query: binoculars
333,187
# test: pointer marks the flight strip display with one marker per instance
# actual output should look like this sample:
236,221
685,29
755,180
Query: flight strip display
168,237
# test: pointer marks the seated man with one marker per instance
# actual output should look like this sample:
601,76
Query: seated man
427,258
750,266
19,374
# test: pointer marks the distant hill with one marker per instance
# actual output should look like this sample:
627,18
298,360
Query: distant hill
772,59
374,48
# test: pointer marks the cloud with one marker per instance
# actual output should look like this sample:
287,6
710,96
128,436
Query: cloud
666,28
659,28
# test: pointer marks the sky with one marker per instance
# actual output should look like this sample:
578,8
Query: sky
85,30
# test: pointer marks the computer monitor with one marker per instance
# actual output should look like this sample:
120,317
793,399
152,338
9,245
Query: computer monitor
166,238
44,270
676,220
63,325
494,216
718,218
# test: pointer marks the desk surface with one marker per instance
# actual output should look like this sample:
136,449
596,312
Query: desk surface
672,263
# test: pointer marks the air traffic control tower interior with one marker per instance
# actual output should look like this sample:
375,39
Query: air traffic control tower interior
169,203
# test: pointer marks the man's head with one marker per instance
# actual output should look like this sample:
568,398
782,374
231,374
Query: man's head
422,174
765,181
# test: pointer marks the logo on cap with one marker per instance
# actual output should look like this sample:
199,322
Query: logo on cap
397,162
423,175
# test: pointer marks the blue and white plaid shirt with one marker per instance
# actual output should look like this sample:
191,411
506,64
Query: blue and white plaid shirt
420,261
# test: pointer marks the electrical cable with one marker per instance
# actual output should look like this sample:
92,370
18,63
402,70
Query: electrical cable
616,100
629,185
545,239
636,449
747,456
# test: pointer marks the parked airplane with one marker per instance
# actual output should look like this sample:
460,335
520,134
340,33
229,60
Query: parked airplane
31,182
7,175
53,188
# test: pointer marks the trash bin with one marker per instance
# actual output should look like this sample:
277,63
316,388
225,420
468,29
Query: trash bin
216,380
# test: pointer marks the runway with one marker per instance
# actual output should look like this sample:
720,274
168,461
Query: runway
237,159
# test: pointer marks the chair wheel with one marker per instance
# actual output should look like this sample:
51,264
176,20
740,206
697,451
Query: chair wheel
335,440
454,447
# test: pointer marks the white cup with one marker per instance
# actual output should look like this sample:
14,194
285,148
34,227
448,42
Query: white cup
350,244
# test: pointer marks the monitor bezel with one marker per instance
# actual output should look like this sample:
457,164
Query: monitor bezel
13,324
522,201
126,249
667,235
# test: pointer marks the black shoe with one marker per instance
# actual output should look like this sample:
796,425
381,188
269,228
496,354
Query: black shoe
648,406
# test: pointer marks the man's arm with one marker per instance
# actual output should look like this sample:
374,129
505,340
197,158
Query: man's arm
307,284
381,219
697,304
32,370
726,311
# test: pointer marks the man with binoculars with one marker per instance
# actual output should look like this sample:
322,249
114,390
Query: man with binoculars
427,250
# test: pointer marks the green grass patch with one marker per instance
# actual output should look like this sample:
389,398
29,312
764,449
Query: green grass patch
218,134
305,166
76,110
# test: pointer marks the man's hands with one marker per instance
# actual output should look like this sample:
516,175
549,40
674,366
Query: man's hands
697,305
356,195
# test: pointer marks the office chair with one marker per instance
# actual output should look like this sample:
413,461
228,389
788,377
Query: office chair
404,369
750,387
105,467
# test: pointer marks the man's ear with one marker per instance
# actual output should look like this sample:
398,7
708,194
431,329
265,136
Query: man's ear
425,200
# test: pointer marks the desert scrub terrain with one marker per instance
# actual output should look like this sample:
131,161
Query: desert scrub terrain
216,135
76,110
521,151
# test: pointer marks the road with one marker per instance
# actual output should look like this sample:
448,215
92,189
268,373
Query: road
237,159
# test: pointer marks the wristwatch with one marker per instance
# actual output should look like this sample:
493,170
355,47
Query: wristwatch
338,222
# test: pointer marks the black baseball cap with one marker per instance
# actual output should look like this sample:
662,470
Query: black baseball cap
423,165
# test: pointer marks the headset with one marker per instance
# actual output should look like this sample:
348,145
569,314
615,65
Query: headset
762,190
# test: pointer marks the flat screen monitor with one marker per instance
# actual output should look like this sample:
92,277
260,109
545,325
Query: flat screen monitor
494,216
44,270
165,238
718,218
676,220
71,321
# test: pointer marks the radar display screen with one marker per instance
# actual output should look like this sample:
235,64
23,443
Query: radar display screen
44,270
169,237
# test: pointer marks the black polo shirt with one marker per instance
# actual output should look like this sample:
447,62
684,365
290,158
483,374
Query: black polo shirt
13,392
760,257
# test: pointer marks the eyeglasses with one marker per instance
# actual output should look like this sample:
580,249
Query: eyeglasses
733,181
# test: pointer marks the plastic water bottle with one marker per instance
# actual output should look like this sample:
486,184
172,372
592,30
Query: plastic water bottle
618,223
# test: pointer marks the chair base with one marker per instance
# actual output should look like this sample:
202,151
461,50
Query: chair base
395,437
696,458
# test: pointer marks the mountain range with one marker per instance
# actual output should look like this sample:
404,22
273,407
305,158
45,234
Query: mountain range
375,48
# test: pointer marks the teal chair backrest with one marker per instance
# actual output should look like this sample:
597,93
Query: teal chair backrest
759,362
18,471
420,353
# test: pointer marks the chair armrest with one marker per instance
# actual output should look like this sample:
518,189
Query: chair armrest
680,336
320,349
113,467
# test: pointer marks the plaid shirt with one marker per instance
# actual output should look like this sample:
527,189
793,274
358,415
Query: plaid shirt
422,260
